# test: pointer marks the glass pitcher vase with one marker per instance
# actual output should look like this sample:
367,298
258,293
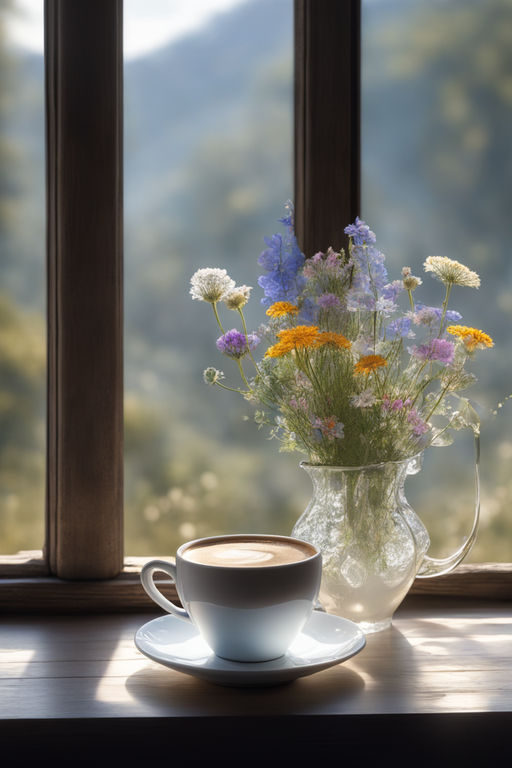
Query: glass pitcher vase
373,544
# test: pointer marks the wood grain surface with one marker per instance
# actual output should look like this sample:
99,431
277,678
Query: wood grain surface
442,671
84,107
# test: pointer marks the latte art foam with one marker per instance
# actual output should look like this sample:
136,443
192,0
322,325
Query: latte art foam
248,553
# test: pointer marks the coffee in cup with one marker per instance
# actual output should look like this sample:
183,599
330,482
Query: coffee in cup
248,595
248,552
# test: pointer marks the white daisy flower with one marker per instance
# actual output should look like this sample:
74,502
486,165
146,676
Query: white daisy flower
211,284
451,272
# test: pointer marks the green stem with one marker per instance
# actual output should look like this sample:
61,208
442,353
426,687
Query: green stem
310,371
411,302
242,374
379,384
247,341
432,410
445,307
420,390
414,378
214,307
231,389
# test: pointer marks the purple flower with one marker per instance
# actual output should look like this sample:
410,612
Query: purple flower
437,349
234,344
328,300
426,315
325,265
308,312
400,327
360,232
394,405
419,427
392,290
357,300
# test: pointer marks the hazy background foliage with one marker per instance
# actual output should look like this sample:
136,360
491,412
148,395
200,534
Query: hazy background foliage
208,168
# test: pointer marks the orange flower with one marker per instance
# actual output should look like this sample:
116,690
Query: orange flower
293,338
471,337
334,339
282,308
369,363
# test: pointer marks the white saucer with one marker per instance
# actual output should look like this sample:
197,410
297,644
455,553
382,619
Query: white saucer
325,640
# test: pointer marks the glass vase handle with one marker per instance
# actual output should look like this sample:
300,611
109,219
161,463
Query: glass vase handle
434,566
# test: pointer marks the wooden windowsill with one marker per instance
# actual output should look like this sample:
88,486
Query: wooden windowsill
437,681
26,587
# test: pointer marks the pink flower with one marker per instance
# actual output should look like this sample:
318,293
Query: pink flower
419,427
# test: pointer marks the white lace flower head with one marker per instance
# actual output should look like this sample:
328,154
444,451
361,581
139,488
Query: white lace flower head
410,282
238,297
212,375
364,399
451,272
210,284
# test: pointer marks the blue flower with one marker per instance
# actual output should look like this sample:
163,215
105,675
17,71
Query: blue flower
425,315
360,232
288,219
400,327
283,261
392,290
308,311
369,280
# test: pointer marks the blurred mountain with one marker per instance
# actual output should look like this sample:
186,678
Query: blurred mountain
208,167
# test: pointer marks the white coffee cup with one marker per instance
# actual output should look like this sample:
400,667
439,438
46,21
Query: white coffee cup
249,595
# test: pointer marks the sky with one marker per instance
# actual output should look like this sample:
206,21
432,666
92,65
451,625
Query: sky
148,24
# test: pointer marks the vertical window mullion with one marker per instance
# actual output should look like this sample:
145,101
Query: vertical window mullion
83,53
327,120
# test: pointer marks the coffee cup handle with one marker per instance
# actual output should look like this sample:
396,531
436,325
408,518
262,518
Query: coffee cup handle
146,577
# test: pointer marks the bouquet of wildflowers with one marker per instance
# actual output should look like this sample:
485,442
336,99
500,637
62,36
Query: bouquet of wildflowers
355,370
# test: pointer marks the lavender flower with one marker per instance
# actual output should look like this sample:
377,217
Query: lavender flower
392,290
401,327
328,301
360,232
429,315
323,268
419,426
308,312
395,405
234,344
436,349
282,260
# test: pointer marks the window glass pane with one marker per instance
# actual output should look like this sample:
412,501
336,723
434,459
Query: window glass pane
22,277
436,121
208,169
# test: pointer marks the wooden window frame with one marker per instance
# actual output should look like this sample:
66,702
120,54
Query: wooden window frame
82,566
